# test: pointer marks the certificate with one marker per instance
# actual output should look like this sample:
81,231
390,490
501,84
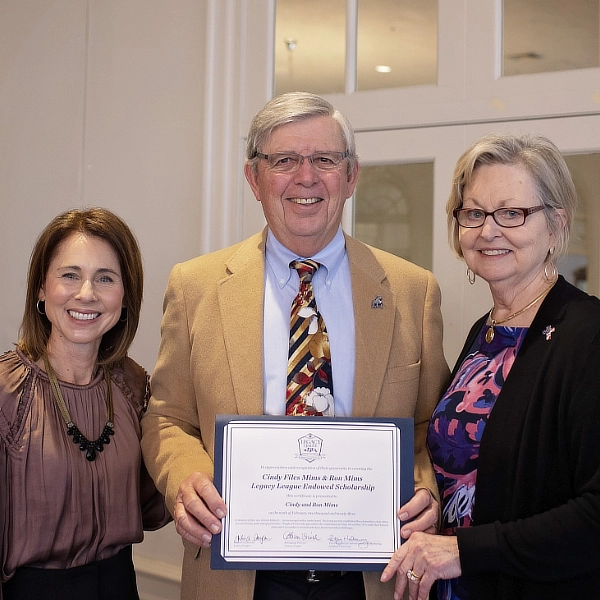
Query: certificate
311,492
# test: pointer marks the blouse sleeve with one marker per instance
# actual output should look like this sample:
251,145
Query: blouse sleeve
15,396
154,510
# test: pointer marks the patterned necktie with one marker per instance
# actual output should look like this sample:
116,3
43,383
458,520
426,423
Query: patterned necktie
309,382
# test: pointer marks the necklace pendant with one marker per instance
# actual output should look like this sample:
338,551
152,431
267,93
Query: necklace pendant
90,448
489,335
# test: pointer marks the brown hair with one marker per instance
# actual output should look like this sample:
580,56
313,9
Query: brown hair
540,158
101,223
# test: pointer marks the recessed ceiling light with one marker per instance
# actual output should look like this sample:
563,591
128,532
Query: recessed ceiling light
383,69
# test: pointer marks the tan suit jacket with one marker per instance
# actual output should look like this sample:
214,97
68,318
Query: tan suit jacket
210,362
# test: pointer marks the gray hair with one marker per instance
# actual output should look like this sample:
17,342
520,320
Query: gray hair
540,158
290,108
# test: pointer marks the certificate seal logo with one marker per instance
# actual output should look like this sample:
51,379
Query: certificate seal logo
310,447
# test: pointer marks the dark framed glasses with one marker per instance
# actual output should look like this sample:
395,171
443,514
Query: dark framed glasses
505,217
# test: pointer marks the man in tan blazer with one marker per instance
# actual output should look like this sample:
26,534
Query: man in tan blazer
223,350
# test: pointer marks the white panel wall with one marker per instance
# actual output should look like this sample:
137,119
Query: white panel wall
42,67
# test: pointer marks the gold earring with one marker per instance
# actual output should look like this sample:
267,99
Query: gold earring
553,275
470,276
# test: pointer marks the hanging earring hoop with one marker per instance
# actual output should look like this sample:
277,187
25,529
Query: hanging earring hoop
42,311
123,318
550,272
470,276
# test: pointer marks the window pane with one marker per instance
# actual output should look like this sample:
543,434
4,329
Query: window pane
397,43
393,210
582,264
550,35
310,46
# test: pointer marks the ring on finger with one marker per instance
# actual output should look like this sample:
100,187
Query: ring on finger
412,576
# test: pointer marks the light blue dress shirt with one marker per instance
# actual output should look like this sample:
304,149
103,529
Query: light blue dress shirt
333,294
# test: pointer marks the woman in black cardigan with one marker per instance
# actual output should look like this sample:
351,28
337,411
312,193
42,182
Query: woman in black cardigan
515,440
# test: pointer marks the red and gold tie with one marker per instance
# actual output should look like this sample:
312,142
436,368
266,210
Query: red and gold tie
309,381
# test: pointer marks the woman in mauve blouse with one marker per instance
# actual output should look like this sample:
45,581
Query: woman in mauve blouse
76,494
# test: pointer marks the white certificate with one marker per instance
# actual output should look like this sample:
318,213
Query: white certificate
311,492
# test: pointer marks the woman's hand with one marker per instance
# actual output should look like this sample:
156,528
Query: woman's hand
420,561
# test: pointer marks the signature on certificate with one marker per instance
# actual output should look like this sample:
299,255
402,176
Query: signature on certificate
303,537
251,539
348,540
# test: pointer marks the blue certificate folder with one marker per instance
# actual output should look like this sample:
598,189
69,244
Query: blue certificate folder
311,492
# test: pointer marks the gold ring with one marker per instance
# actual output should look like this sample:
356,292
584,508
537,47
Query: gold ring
412,576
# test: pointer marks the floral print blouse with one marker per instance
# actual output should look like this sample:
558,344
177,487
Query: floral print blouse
456,427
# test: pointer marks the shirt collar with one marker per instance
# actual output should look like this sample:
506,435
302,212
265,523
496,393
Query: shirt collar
279,257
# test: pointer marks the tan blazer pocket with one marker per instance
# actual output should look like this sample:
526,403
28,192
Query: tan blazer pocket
400,390
403,373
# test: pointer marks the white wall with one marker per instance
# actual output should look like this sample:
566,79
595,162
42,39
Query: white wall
102,104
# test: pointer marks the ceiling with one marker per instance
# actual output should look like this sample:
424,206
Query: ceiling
539,36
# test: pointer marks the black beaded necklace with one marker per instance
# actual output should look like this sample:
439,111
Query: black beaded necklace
90,448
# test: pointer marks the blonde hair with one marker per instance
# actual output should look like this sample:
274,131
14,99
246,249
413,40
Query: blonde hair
540,158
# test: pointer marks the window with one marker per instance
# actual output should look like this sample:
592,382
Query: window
393,210
550,35
390,43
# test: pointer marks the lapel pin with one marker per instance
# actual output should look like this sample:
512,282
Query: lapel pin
377,302
548,332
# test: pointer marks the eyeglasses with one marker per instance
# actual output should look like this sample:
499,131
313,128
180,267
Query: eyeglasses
505,217
290,162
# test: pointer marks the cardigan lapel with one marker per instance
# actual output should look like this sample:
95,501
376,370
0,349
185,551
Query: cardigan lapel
241,298
512,403
373,326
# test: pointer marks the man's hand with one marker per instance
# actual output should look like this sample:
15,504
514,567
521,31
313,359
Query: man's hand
423,509
198,509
